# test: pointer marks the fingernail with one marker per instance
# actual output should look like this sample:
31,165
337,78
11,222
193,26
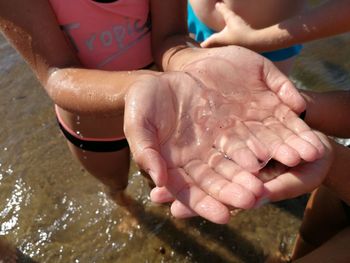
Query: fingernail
263,201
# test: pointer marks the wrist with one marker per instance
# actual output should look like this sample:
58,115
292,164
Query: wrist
269,39
257,40
179,50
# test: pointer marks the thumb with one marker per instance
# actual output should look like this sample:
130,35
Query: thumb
143,140
283,87
145,152
215,40
150,160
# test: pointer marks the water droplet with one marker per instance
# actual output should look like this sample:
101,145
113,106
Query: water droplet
9,171
77,119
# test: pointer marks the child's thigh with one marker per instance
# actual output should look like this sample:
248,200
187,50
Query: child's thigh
324,217
111,168
334,250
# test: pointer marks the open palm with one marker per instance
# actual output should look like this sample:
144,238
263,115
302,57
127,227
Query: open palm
203,131
177,151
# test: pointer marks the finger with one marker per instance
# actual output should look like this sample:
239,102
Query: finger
216,40
255,145
234,173
215,185
283,87
302,179
241,146
179,210
294,182
150,161
276,146
305,149
299,127
185,191
213,41
161,195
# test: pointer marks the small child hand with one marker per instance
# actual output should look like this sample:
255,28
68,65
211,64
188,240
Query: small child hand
236,31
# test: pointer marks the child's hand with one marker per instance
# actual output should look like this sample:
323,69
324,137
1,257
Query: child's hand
304,178
194,130
263,104
236,31
286,183
169,138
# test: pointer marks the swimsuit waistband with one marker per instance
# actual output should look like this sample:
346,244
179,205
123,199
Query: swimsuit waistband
112,144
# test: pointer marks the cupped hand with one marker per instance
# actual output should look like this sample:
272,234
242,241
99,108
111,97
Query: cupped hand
201,132
292,182
251,103
168,140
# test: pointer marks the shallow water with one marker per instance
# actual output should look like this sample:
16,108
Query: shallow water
53,211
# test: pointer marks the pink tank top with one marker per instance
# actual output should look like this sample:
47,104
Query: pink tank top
108,36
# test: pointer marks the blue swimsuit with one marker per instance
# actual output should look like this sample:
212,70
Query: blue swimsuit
202,32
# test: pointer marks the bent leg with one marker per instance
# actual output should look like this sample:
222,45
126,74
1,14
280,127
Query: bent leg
111,168
324,217
334,250
102,151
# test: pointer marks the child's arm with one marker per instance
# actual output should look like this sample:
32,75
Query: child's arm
32,29
328,112
323,21
172,46
338,178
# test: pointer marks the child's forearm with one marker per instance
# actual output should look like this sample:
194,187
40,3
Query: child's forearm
172,47
338,179
87,91
328,112
327,20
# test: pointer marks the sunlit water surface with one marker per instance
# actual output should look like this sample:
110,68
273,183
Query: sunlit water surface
53,211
